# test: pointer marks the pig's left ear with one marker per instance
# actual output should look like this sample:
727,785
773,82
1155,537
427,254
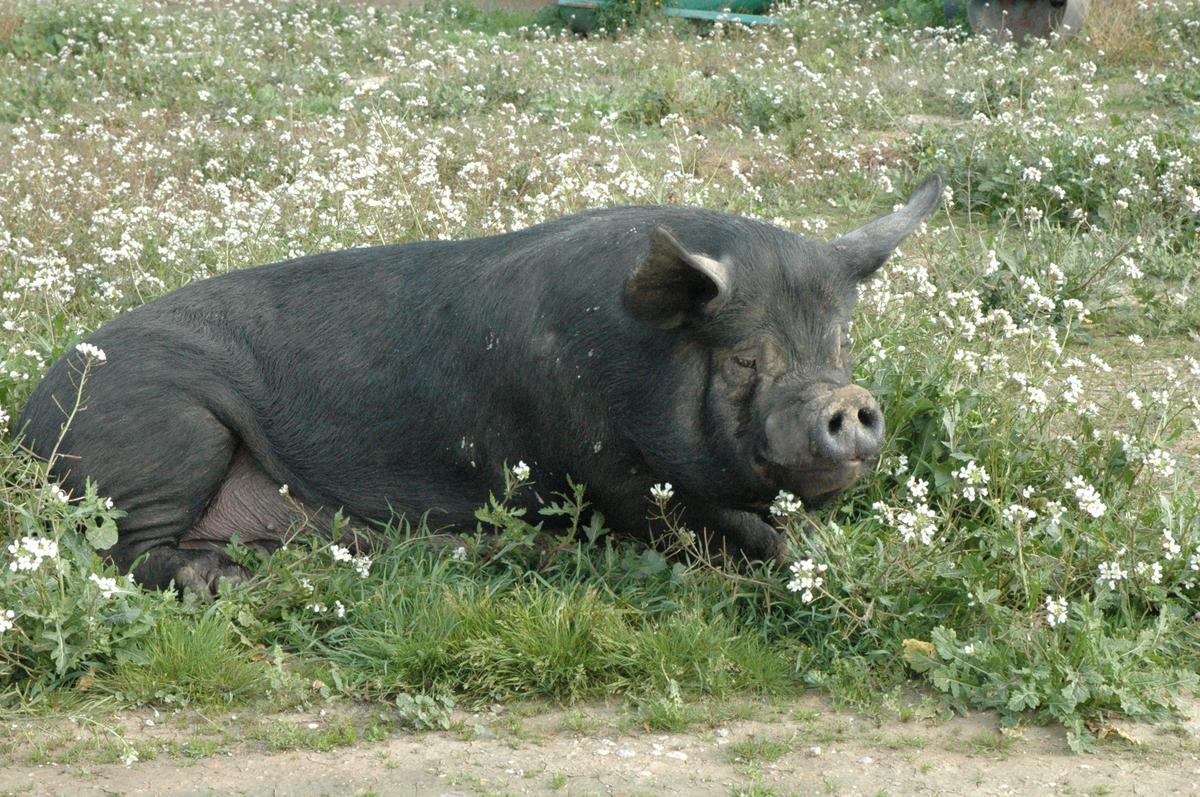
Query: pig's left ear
867,248
673,285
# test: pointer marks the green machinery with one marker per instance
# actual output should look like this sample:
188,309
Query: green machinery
1018,19
584,15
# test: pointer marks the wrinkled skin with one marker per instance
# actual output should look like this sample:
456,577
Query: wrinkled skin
622,347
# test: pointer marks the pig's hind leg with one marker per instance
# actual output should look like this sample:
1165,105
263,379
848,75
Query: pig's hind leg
162,466
252,508
185,510
246,505
170,456
249,506
183,477
196,571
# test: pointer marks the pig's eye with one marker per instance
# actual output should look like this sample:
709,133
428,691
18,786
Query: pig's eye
746,362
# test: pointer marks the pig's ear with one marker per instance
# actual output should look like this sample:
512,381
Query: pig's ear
673,285
867,248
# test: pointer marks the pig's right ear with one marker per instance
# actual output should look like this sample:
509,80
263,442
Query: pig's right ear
867,248
674,286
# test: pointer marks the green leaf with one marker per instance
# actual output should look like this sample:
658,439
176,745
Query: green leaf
1080,741
102,536
595,528
1023,698
650,563
919,655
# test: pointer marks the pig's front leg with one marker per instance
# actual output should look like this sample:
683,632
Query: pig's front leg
742,535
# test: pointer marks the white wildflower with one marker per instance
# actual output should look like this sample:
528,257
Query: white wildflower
29,553
361,563
974,478
917,523
1154,571
662,492
1111,573
1054,512
91,352
1087,497
1171,549
806,578
1161,463
1073,390
1015,513
1056,611
7,617
785,504
918,489
1038,399
520,471
108,586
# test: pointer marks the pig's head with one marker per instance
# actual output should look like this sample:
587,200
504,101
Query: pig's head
760,393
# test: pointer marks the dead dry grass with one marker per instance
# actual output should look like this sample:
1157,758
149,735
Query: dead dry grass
1123,30
10,21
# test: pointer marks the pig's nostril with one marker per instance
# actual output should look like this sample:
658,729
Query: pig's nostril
835,423
868,417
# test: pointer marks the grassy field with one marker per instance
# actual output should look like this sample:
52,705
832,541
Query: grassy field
1030,541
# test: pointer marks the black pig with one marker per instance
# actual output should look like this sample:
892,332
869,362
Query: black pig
624,347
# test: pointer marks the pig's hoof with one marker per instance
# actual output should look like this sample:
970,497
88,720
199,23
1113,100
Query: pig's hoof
770,546
203,577
760,542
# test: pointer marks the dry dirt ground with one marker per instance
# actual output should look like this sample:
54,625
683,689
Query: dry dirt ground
804,747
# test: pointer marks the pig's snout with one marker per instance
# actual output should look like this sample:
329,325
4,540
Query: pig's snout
842,429
848,427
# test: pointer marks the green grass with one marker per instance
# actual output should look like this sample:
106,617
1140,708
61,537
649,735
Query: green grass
999,337
754,790
280,736
753,749
186,661
197,747
991,743
434,625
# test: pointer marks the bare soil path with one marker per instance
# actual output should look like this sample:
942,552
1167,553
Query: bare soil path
800,748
